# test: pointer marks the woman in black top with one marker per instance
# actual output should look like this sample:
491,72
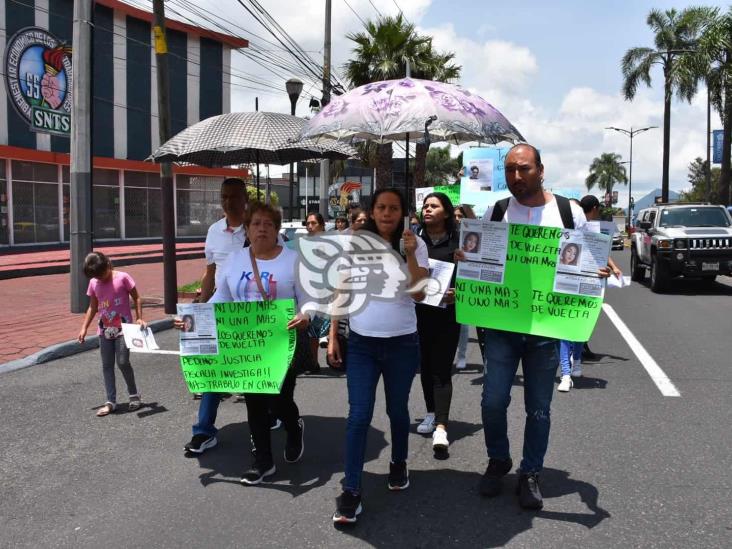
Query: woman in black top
437,328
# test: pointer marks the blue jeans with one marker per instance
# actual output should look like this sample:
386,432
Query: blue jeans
115,350
539,357
569,349
397,359
207,409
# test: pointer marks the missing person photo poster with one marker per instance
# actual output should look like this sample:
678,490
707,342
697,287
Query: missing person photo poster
579,256
483,181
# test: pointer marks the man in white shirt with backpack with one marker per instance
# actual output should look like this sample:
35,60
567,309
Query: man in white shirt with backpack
539,356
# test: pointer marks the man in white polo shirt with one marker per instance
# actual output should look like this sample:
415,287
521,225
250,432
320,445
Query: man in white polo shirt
224,236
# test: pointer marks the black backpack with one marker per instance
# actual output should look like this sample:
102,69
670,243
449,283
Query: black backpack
564,205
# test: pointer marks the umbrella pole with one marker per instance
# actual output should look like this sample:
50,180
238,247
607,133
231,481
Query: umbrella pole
406,176
257,177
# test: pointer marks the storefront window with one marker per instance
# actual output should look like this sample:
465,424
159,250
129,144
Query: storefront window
198,202
66,210
142,205
35,202
4,205
105,198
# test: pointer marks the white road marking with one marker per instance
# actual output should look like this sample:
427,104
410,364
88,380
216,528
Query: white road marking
659,377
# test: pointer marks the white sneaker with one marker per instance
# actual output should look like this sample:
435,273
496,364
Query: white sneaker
576,369
460,365
565,384
427,425
439,440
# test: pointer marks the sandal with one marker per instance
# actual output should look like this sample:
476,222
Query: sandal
135,403
107,409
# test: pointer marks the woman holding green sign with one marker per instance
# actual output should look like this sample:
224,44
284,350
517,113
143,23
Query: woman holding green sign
383,342
264,271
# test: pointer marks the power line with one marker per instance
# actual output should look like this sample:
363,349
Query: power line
355,13
377,9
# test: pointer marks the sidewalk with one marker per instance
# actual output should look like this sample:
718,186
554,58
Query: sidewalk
19,264
37,309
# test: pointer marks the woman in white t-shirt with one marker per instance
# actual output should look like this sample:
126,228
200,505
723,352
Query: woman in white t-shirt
265,270
383,342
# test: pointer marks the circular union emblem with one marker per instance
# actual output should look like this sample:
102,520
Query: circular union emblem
38,79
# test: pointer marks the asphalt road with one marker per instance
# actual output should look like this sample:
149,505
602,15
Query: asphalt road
627,467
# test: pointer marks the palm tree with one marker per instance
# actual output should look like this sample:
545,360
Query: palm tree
440,167
713,64
605,171
677,34
381,52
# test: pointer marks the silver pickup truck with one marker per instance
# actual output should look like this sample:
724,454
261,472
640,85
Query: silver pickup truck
692,240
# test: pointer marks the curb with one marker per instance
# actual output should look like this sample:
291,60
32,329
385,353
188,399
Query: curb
68,348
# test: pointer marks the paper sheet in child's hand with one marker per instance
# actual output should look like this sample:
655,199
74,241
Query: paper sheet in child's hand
141,341
615,282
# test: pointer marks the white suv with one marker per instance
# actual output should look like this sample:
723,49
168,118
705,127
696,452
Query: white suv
693,240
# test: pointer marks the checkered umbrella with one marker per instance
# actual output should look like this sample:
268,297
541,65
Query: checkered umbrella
247,138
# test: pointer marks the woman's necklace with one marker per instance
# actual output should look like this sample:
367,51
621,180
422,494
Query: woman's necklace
435,238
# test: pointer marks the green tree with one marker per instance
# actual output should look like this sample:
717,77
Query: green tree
713,64
676,36
252,193
440,167
605,172
381,52
698,180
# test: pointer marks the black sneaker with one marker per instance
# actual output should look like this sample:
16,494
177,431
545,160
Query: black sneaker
348,507
200,443
295,445
258,473
491,483
274,423
197,396
528,491
398,476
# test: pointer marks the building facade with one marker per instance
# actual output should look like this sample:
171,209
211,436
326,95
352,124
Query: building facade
35,99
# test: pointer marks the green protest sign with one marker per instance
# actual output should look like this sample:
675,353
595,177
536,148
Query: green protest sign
525,302
255,348
452,192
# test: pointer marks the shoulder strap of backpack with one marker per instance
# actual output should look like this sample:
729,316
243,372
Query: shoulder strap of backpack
499,209
565,211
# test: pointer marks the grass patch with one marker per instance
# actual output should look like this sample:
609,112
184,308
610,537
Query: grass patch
191,287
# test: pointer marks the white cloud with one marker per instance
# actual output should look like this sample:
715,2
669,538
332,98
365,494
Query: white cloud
504,73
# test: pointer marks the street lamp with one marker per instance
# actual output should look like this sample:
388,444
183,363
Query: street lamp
631,133
294,88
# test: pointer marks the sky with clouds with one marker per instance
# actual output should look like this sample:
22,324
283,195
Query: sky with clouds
553,68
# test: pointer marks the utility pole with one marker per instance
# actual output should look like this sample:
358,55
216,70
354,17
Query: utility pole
80,203
708,170
325,164
170,278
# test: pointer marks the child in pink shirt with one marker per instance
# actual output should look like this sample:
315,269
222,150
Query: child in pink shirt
109,292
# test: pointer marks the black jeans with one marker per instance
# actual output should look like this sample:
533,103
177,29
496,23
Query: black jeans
283,407
438,340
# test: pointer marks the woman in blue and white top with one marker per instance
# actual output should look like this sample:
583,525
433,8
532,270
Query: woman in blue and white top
383,342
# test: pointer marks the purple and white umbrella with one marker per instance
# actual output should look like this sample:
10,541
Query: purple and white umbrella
394,110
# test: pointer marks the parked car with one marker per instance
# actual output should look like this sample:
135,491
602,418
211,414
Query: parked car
618,241
691,240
